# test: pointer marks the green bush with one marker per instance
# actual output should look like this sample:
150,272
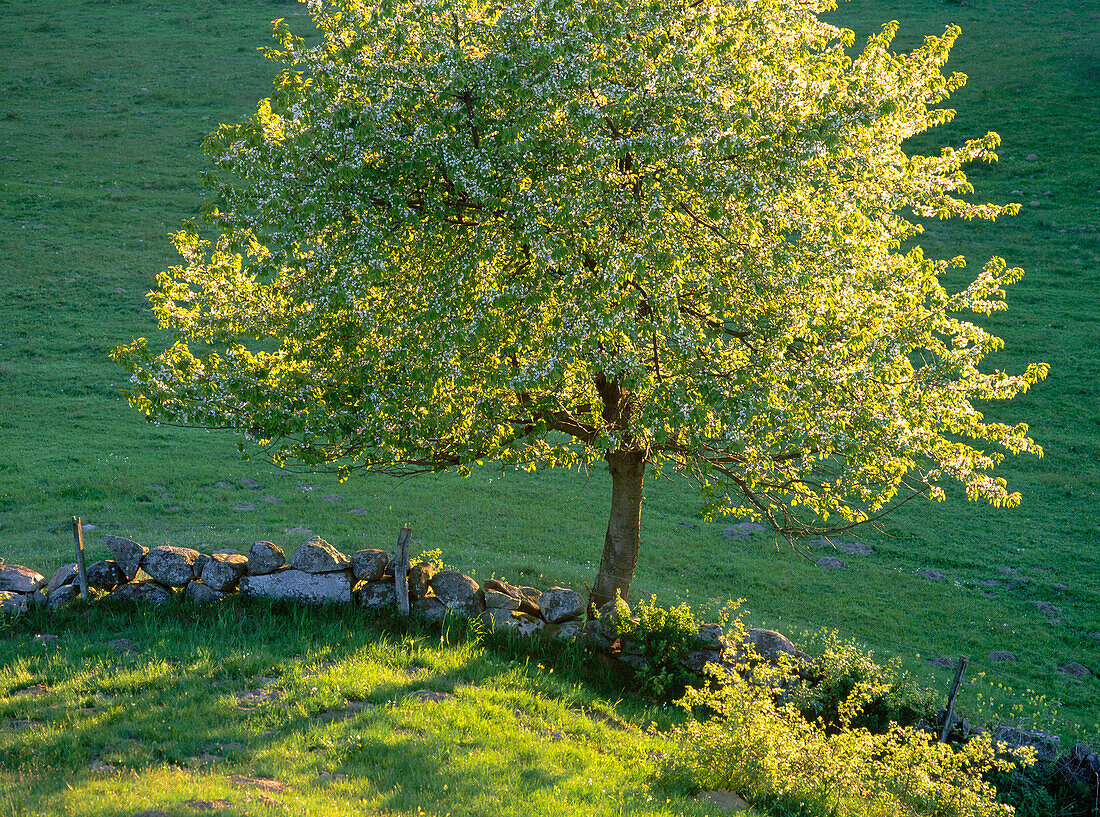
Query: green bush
842,667
762,747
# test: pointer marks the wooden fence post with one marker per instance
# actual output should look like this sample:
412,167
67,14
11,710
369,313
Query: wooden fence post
78,540
401,570
951,698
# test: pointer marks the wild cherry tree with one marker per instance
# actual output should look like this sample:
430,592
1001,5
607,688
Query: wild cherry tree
674,236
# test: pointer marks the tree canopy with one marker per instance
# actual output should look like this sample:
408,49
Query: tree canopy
675,235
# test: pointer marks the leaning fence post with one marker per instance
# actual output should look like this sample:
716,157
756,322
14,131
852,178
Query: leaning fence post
951,698
401,570
78,540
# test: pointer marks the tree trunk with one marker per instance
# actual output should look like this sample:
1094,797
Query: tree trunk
624,528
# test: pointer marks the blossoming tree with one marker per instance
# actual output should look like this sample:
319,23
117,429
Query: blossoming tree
668,235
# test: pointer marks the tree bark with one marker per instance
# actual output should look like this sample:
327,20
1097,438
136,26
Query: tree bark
624,528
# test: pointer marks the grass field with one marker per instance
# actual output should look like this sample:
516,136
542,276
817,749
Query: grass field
102,111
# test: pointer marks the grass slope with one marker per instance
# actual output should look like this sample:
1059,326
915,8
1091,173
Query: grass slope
103,108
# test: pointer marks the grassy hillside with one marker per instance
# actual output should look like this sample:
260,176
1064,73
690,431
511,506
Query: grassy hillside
102,112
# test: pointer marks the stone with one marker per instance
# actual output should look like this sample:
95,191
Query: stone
1075,670
697,660
298,585
45,638
566,631
369,565
723,800
754,527
1002,655
560,604
143,592
19,579
106,574
1079,766
712,634
332,498
245,482
737,533
1031,157
264,558
419,577
497,618
197,592
941,661
769,644
66,574
595,634
857,548
930,574
458,593
429,609
1047,607
318,556
527,597
61,596
127,553
200,564
170,565
12,603
832,563
495,600
1012,737
223,570
376,595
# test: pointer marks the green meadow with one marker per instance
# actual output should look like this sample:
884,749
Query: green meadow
103,106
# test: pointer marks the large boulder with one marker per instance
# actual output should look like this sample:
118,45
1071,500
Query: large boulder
495,600
369,565
458,593
144,592
376,595
106,574
62,595
223,570
19,579
66,574
420,578
198,593
127,553
298,585
264,558
12,603
318,556
170,565
498,618
1012,737
561,604
769,644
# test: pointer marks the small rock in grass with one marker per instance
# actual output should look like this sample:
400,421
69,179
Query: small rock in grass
122,645
358,511
1002,655
1075,670
318,556
245,482
245,506
270,500
723,800
1006,571
207,805
265,557
223,485
941,661
1047,607
332,498
299,531
832,563
43,638
736,533
990,582
933,575
857,548
1031,157
430,695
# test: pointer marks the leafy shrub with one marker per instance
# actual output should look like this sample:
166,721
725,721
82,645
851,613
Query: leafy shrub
664,636
761,746
893,695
